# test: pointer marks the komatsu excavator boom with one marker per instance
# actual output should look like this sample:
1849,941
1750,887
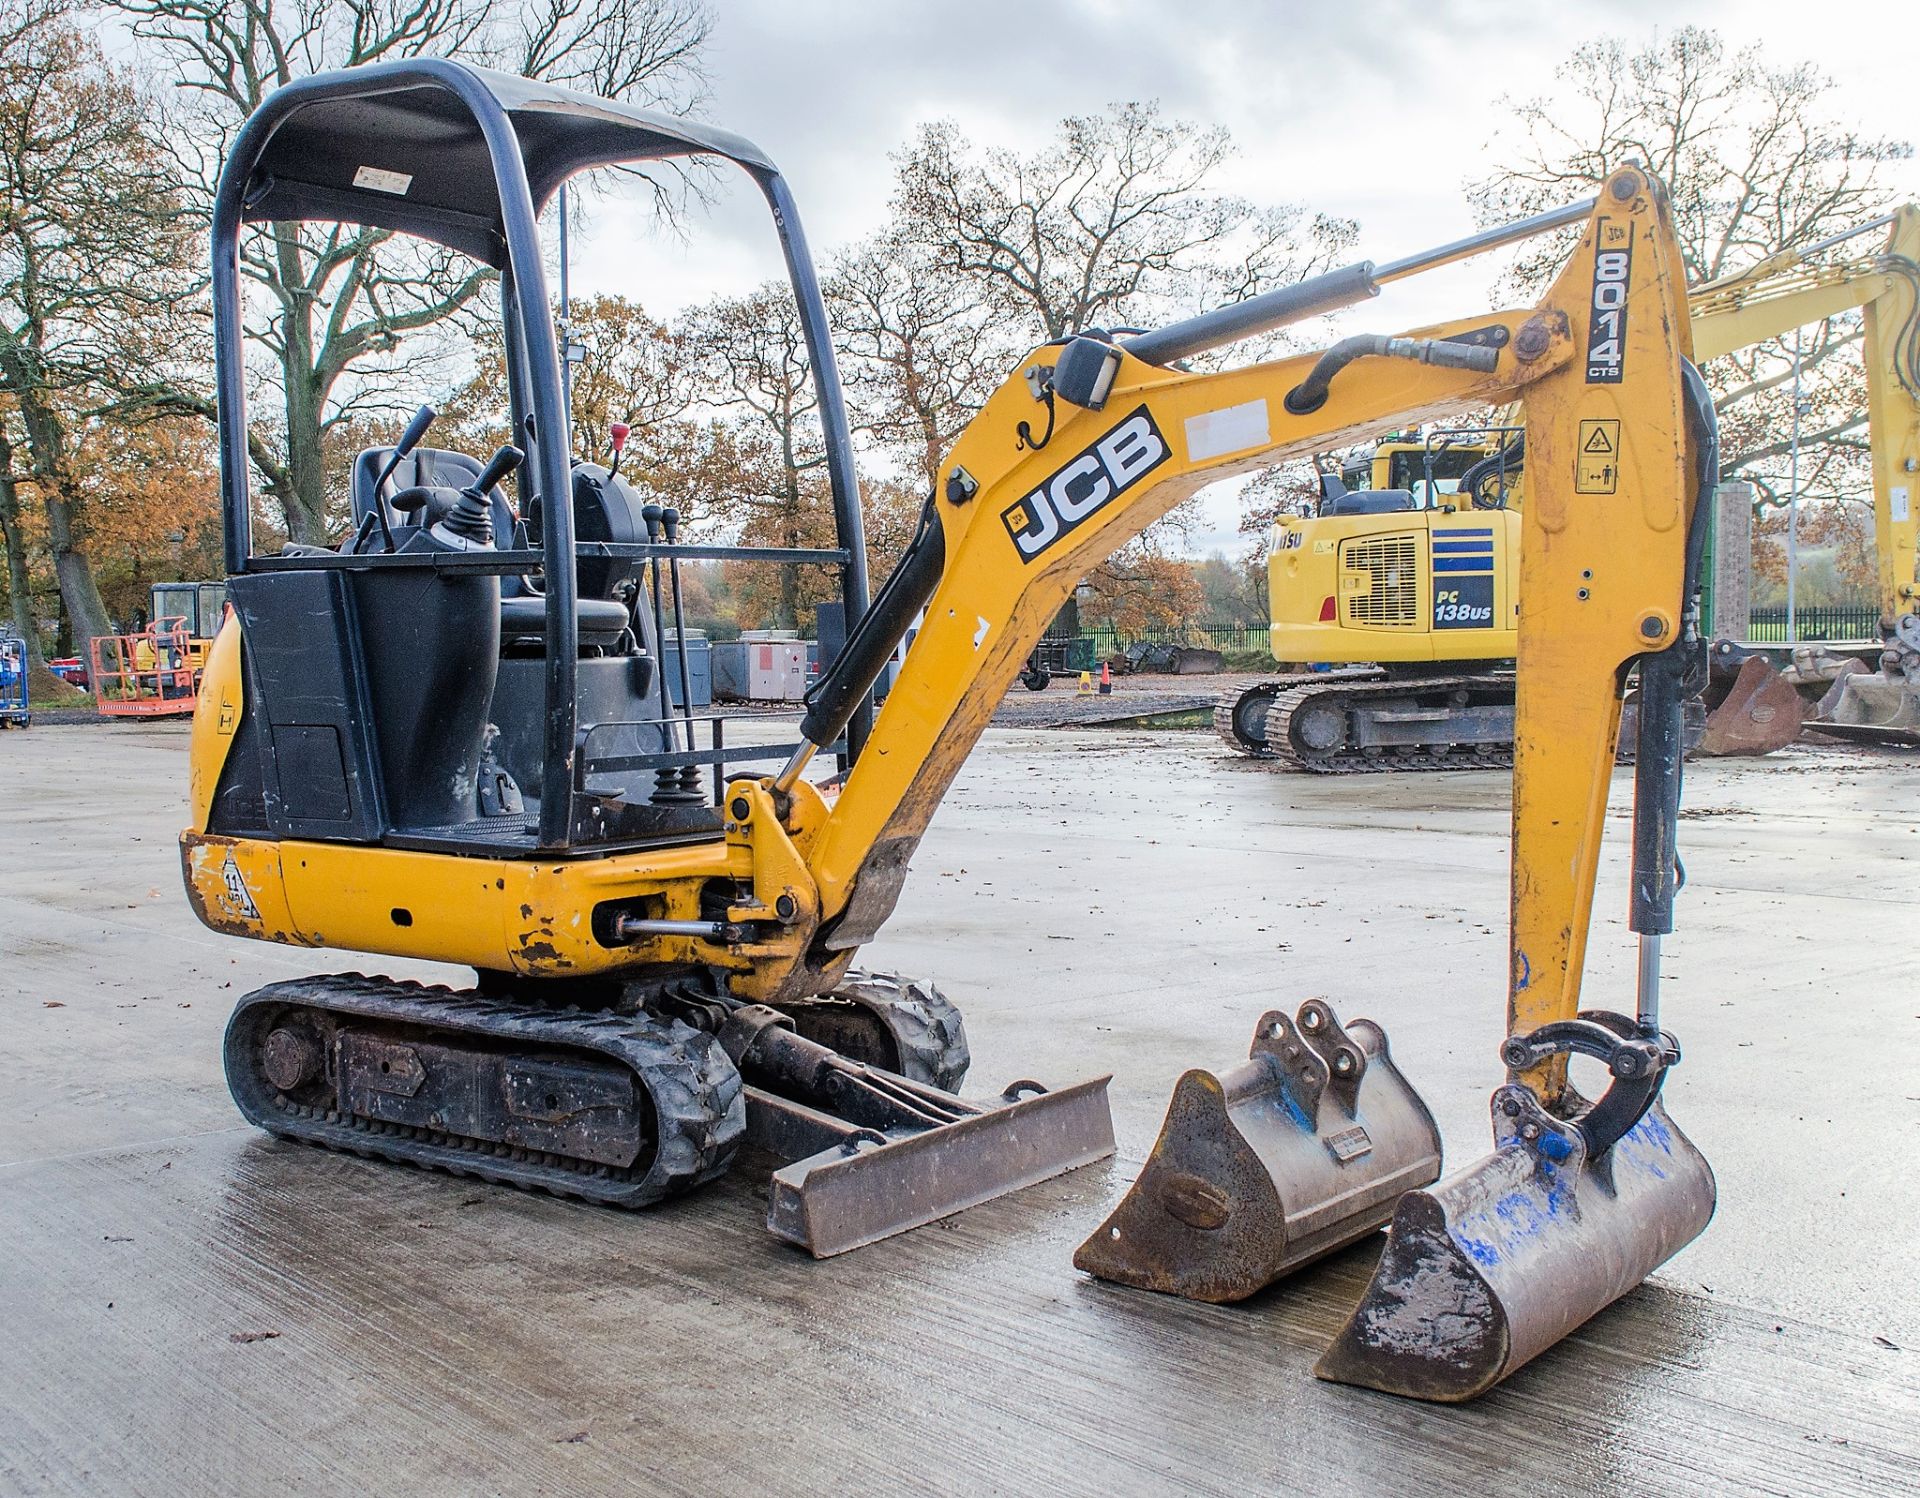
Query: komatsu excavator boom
441,742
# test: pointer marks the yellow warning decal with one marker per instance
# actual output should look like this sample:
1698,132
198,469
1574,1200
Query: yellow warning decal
1597,470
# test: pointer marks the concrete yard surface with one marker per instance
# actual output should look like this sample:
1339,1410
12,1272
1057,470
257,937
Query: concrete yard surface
189,1306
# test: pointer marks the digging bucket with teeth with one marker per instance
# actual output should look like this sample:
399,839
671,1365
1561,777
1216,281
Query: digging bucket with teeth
1260,1168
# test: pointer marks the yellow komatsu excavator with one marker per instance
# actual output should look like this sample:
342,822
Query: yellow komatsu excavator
1404,581
449,741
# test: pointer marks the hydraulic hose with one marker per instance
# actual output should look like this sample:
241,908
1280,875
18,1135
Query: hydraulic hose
1311,393
1667,679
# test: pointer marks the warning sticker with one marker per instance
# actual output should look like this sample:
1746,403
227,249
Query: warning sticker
1597,470
239,898
382,180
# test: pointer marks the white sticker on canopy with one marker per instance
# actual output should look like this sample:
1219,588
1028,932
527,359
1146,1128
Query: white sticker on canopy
1897,504
1212,433
381,180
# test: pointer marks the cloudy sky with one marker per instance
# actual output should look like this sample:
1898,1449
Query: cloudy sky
1376,110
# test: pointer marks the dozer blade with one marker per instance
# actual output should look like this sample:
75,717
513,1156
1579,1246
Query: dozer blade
1258,1170
871,1185
874,1153
1497,1263
1760,713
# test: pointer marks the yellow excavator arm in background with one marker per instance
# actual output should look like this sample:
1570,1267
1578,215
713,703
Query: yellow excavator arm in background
1785,292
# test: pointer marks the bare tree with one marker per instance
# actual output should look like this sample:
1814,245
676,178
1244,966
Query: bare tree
1114,222
1757,159
343,304
923,350
775,450
93,270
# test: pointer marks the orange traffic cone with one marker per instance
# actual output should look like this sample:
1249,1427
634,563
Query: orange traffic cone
1106,680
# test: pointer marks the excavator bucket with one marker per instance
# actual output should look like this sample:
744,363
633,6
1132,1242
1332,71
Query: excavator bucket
1500,1261
1759,713
1873,707
1259,1169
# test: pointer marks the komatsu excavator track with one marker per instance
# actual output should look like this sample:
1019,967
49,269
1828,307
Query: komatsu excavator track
620,1109
1240,712
1335,726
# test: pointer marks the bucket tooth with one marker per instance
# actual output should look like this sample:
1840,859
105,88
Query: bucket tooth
1261,1168
1495,1264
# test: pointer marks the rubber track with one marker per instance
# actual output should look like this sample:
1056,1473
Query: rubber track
1226,706
924,1023
1352,761
698,1104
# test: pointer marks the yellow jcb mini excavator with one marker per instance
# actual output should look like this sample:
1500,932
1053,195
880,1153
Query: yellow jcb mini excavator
1404,580
448,740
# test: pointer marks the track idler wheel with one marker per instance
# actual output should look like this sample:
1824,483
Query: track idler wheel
1498,1262
903,1025
1259,1169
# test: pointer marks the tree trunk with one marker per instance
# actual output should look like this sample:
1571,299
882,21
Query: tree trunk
303,499
47,441
19,584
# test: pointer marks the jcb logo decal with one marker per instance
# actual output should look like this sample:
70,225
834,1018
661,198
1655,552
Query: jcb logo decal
1102,473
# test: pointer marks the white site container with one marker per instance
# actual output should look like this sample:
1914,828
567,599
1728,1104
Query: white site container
776,665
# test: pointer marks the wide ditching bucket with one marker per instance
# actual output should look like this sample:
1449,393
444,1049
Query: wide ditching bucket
1259,1169
1501,1260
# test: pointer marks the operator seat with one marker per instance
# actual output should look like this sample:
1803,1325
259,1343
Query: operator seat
601,618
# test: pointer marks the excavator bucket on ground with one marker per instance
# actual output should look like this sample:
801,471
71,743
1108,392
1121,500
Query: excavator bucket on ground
1500,1261
1758,711
1300,1150
1879,707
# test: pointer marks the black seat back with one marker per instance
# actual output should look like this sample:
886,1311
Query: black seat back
432,466
1370,502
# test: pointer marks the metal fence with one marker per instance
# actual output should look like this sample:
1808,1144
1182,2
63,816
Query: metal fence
1226,638
1844,622
1836,623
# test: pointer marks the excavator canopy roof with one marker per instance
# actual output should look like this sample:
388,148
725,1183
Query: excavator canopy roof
403,146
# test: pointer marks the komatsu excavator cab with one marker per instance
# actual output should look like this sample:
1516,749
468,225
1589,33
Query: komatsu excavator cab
452,738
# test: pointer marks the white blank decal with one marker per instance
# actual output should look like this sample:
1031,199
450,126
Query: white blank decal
980,633
1212,433
1897,504
381,180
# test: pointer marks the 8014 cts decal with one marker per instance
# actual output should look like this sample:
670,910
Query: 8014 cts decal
1612,277
1098,476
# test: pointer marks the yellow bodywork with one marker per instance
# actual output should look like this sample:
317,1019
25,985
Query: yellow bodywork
1603,570
1373,574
